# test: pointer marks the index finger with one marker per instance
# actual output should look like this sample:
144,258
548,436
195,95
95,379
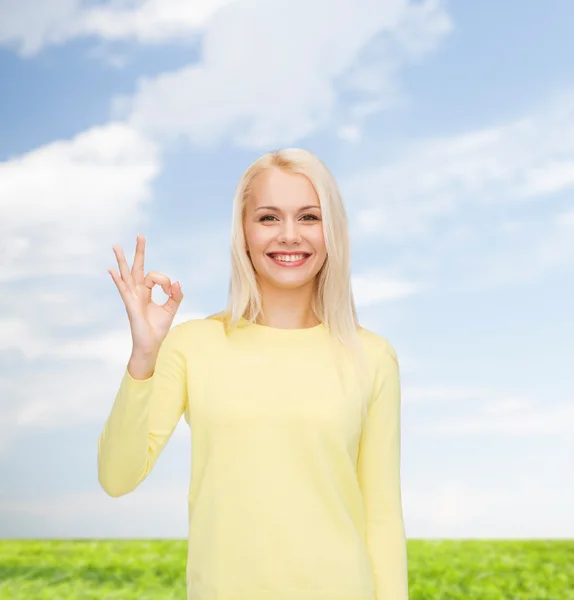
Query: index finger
138,266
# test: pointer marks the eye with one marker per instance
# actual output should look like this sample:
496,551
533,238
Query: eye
313,217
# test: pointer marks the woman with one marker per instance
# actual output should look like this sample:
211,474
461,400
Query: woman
294,408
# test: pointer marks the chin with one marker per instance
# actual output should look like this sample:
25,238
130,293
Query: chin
289,285
286,283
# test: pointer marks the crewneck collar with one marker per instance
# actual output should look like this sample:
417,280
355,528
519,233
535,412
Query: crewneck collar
278,332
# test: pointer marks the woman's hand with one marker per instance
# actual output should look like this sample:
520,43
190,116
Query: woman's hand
149,322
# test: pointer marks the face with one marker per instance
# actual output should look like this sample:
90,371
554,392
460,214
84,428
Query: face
282,223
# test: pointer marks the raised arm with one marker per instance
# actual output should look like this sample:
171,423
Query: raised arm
152,393
380,482
142,419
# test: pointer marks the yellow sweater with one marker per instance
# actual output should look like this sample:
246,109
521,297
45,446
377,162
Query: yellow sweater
292,496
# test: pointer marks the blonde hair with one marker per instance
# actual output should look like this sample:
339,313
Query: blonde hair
332,302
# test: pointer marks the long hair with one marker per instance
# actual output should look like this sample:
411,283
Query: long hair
332,301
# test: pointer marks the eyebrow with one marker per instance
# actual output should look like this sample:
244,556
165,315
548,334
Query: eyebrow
279,210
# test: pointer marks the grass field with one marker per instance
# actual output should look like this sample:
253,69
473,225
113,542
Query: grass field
155,569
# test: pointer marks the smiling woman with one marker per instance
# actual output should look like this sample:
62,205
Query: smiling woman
294,407
283,228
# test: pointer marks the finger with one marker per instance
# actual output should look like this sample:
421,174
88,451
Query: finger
154,277
173,302
124,268
176,292
122,289
138,266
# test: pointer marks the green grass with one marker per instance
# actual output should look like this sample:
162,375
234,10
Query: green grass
155,569
491,569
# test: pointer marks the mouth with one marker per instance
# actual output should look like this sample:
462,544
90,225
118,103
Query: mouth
289,260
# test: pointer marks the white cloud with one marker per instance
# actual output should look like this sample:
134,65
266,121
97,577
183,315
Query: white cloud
44,401
509,405
437,394
32,25
526,251
60,202
451,506
462,204
556,247
151,511
112,347
439,509
549,178
350,133
524,419
461,411
150,21
268,77
372,287
523,507
525,159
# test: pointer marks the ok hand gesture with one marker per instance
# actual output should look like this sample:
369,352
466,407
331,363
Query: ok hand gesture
149,322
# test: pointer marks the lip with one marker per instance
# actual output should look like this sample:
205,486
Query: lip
291,264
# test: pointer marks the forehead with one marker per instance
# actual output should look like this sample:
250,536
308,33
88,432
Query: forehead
282,188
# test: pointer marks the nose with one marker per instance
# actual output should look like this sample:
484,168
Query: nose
289,233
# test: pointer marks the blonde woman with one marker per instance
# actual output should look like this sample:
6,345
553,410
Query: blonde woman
294,408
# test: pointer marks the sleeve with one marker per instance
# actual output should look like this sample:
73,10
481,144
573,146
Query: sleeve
380,482
142,419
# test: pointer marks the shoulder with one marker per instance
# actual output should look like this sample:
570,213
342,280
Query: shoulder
377,345
196,329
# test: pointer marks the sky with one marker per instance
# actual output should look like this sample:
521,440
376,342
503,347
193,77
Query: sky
449,127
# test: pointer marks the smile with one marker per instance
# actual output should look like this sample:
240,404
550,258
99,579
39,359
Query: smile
289,260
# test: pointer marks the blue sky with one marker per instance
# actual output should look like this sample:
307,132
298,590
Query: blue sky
450,129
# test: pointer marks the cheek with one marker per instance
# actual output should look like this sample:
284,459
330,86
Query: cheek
256,238
318,240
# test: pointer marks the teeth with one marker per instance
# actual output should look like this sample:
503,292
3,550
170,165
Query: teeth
287,258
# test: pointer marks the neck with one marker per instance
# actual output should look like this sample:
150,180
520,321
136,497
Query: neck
288,309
